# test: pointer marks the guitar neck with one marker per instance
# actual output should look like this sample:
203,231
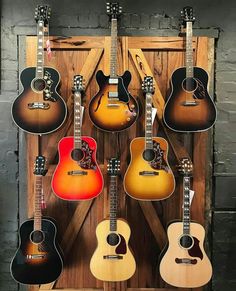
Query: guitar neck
148,122
113,203
113,56
37,203
186,205
77,120
40,50
189,50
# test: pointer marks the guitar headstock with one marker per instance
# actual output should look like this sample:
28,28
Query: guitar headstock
78,85
147,85
42,13
185,167
39,166
113,167
114,10
187,15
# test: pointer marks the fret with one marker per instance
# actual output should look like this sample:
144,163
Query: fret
189,51
77,120
186,205
40,52
37,203
113,203
113,54
148,122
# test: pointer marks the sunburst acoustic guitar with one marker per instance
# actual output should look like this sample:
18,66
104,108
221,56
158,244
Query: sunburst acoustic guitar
189,107
185,263
77,175
39,109
149,176
113,108
113,260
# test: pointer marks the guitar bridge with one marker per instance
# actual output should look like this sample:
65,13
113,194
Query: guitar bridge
38,256
113,257
38,105
190,103
186,261
113,95
148,173
77,173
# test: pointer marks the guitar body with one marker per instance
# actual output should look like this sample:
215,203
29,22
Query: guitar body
73,179
31,110
123,112
185,275
37,263
187,117
148,187
118,269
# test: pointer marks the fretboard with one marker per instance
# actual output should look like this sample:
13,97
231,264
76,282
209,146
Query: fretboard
37,203
113,56
113,203
189,50
40,51
186,205
148,122
77,120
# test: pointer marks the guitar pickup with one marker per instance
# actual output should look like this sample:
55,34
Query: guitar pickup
38,256
113,257
77,173
186,261
38,105
113,95
148,173
190,103
113,81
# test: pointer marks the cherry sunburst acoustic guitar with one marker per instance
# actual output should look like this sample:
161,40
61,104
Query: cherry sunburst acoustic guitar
77,175
39,109
149,176
113,108
185,263
112,260
189,107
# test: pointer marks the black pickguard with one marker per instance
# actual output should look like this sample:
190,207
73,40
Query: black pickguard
159,162
87,162
195,250
121,249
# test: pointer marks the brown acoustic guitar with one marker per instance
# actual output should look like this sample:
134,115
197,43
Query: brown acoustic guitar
185,263
113,108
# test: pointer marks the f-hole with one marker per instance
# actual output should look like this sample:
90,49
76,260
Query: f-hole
38,85
186,241
37,236
77,155
149,155
189,84
113,239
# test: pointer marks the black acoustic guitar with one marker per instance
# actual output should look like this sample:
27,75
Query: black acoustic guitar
113,108
189,107
39,109
38,259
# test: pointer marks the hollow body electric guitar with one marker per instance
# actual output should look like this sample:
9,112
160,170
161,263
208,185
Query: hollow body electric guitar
38,259
113,108
189,108
77,175
149,176
39,109
113,260
185,263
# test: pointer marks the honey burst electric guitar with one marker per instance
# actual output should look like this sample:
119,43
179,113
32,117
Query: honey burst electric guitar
39,109
189,108
77,175
113,108
38,259
149,176
185,263
113,260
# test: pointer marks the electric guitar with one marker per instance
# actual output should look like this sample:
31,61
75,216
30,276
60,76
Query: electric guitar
77,175
113,260
39,109
37,260
189,107
113,108
149,176
185,263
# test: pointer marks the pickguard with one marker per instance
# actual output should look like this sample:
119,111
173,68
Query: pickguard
159,162
121,249
47,93
87,162
200,92
195,251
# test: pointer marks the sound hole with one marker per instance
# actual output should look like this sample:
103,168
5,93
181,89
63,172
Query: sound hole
37,236
149,155
113,239
186,241
39,84
189,84
77,155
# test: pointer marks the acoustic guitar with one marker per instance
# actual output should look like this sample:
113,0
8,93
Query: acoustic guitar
113,108
113,260
39,109
77,175
38,259
189,107
149,176
185,263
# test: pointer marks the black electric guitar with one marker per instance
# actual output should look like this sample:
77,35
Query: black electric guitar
39,109
189,107
37,260
113,108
